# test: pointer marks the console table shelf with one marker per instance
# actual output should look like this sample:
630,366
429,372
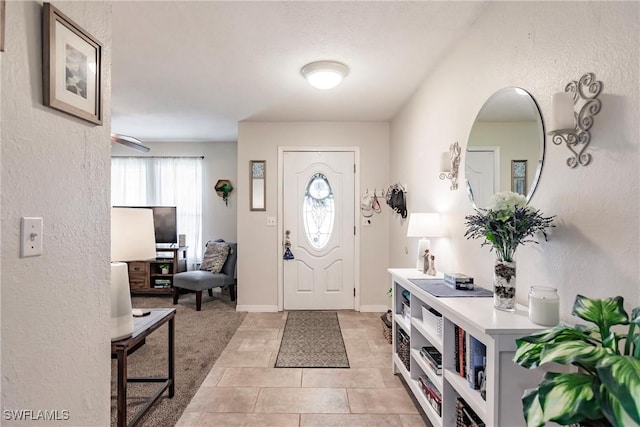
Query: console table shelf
146,277
497,330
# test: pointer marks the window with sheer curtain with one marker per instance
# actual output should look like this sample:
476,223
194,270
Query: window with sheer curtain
163,181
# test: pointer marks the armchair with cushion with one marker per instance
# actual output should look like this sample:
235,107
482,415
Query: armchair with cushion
217,270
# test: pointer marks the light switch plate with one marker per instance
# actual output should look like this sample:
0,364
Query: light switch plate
30,237
271,221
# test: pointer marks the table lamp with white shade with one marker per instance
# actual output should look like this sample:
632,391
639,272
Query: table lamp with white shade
132,239
424,226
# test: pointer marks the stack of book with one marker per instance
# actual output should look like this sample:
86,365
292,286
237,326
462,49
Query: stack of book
162,283
465,417
470,359
432,394
433,358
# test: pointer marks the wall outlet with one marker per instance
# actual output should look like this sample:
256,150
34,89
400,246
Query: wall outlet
271,221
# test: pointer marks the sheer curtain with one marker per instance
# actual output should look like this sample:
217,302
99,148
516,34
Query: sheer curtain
163,181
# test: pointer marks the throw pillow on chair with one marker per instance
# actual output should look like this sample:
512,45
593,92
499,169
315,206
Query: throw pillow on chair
214,256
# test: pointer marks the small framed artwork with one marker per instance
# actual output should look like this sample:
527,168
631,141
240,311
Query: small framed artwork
257,183
519,176
2,12
71,67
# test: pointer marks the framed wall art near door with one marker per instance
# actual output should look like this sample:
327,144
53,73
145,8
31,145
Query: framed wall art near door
2,12
71,67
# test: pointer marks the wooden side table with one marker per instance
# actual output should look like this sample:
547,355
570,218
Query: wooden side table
143,327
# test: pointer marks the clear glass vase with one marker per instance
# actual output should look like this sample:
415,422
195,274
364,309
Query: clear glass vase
504,285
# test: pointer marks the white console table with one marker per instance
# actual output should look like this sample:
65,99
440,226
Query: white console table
497,330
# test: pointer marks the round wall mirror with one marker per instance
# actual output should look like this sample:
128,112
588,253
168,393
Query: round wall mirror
506,147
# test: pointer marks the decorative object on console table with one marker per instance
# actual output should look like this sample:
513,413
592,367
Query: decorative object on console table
223,188
605,389
164,268
544,305
424,225
507,223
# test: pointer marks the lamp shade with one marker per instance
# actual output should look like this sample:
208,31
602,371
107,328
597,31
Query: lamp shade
424,225
132,234
132,239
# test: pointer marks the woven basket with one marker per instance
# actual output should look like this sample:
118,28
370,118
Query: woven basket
404,350
387,332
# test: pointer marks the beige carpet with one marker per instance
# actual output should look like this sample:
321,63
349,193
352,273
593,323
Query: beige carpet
200,337
312,339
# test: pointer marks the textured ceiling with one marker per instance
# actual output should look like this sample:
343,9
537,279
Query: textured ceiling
189,71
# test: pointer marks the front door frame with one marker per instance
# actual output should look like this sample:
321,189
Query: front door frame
356,212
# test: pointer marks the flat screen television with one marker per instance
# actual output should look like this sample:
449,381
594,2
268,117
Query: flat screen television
165,223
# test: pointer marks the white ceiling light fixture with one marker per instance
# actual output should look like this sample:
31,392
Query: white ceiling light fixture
130,142
324,74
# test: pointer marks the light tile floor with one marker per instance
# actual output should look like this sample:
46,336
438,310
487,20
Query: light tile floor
244,389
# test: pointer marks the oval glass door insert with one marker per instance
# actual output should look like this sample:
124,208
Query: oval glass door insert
318,211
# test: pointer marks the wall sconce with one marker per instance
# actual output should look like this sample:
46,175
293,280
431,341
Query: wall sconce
571,127
450,171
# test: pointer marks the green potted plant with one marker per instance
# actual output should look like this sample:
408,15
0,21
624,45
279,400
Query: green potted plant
605,390
164,268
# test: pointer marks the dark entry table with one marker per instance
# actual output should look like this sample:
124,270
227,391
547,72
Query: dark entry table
143,327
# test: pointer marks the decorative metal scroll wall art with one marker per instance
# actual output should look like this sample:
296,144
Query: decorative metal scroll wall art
585,98
452,173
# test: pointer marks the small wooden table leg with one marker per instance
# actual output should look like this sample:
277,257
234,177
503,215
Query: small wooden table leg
122,389
171,344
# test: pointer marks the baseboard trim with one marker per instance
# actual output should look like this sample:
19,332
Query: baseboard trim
374,308
258,308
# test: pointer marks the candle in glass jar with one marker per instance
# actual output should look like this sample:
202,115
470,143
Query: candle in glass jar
544,306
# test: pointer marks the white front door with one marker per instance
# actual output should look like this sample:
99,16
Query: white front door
319,220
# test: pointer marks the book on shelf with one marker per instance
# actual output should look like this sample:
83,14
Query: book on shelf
432,393
162,283
460,348
477,353
433,358
465,417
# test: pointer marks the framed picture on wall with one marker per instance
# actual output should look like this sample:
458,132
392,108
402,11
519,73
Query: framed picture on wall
2,6
71,67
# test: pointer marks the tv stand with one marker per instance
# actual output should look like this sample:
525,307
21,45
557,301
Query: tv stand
146,277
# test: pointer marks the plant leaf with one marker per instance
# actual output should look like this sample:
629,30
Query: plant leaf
603,312
560,332
579,353
568,398
635,316
620,375
528,354
531,408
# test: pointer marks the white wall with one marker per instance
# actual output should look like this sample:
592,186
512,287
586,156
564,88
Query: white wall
55,307
220,162
539,46
260,248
